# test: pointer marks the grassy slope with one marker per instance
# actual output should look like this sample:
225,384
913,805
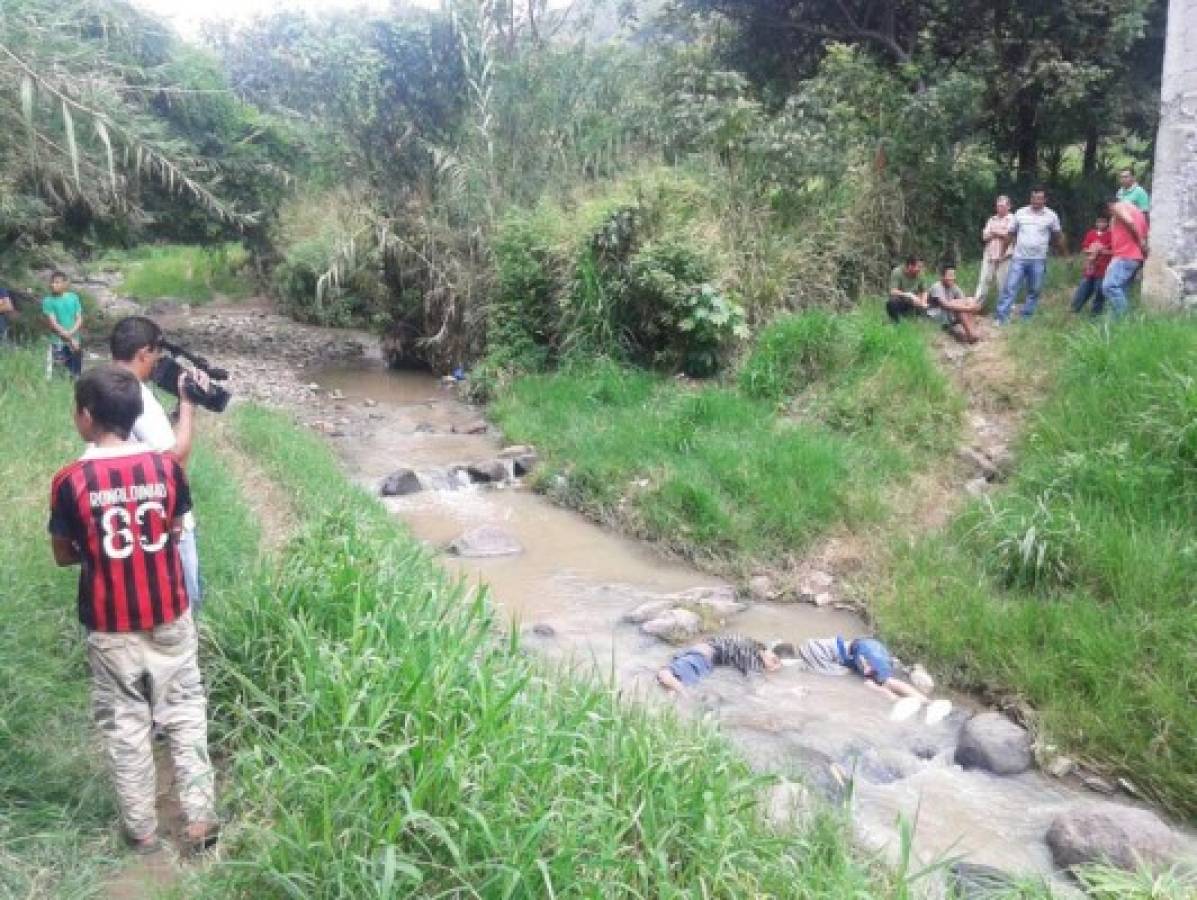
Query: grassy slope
1075,586
57,828
830,409
180,271
384,742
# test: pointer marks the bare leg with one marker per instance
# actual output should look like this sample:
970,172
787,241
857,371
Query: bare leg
669,681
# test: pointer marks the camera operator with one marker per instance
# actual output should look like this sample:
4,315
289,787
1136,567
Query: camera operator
136,346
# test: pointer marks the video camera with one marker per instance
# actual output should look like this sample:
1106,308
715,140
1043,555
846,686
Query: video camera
166,376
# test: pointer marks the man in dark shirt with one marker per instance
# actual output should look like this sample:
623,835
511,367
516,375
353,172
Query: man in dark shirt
117,512
907,290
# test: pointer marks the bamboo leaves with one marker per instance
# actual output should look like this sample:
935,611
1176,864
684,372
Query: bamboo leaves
68,125
102,133
28,92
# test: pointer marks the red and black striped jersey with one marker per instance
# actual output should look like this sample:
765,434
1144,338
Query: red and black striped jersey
117,505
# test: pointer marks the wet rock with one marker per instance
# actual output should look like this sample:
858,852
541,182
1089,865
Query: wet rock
441,479
646,612
469,426
674,626
544,630
400,483
1120,836
490,471
973,881
523,458
992,742
485,541
823,599
763,588
878,766
714,605
922,679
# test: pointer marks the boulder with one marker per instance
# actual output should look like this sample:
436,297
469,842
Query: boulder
674,626
523,458
490,471
400,483
812,584
1120,836
713,604
439,479
646,612
484,541
992,742
544,630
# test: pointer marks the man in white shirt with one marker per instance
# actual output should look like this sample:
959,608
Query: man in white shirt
135,345
1035,228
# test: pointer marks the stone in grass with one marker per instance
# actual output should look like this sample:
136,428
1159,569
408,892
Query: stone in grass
523,458
992,742
922,679
485,541
400,483
1120,836
674,626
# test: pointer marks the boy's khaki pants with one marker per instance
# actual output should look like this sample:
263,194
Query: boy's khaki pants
144,677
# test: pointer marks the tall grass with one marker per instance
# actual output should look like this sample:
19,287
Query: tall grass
182,272
1074,587
385,743
830,409
57,828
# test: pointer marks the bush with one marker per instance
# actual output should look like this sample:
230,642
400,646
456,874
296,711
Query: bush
181,271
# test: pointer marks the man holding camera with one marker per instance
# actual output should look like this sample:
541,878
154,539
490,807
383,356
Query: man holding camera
136,344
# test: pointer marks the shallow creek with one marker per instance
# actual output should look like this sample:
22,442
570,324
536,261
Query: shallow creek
578,579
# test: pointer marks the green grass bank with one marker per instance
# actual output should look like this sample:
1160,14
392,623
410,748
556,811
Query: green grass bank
193,273
58,829
1074,586
827,412
384,740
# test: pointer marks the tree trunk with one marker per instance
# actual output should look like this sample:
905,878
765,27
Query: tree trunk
1028,138
1171,276
1092,145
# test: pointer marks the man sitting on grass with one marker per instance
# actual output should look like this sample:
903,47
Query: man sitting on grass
948,306
692,665
865,657
907,290
118,511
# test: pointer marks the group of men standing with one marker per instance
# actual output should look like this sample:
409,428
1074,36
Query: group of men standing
1014,258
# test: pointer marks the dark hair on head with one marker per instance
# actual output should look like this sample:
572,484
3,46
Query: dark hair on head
1128,170
58,273
913,258
943,270
1039,189
112,396
132,334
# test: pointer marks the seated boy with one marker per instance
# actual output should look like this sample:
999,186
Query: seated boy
948,306
907,290
695,663
118,512
865,657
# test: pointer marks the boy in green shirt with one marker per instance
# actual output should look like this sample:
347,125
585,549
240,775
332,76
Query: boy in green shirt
64,317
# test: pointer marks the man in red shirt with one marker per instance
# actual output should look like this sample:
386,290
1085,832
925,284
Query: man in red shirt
1096,247
117,512
1128,247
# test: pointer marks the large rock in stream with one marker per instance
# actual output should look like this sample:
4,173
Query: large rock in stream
992,742
1120,836
400,483
485,541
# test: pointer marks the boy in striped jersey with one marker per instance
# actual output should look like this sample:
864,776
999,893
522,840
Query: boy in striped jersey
117,512
695,663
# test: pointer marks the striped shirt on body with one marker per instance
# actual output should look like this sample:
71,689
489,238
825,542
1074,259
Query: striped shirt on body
739,651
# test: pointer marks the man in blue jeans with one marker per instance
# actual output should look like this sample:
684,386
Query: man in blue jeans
1128,245
1035,228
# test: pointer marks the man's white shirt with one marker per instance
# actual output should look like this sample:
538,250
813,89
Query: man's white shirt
153,429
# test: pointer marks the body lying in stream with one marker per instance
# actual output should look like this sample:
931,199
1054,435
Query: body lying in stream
865,657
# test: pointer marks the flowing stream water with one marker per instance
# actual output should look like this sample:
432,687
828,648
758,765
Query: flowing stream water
575,580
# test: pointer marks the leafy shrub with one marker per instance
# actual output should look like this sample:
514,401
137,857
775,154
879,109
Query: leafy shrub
1030,544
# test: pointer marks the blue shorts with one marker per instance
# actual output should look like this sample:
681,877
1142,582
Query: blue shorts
690,667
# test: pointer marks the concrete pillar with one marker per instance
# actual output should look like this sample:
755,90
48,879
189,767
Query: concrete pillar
1170,278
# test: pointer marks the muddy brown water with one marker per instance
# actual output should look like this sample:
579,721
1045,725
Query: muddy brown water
579,579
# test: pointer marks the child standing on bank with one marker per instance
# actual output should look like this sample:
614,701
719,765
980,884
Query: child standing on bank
1098,249
117,512
64,316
